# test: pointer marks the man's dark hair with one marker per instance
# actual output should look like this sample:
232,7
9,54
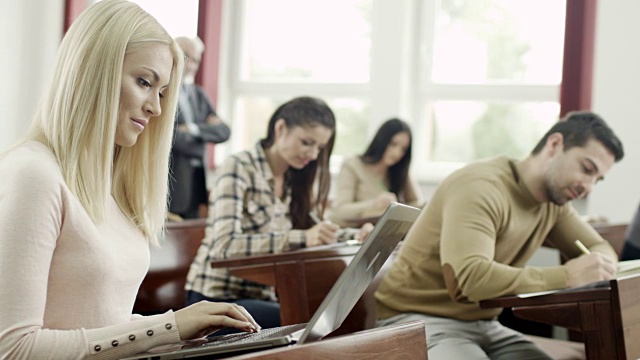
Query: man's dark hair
578,127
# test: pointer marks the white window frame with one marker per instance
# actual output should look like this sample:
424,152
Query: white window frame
399,86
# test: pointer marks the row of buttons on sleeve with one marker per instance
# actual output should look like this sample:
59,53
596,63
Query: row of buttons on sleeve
132,337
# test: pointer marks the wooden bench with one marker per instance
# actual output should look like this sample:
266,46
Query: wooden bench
163,287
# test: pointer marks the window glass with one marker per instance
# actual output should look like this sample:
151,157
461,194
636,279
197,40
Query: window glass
515,41
462,131
317,41
351,117
474,79
253,114
179,18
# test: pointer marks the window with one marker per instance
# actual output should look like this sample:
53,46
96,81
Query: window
493,86
323,50
474,78
179,18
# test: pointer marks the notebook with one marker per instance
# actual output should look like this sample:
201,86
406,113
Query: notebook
390,229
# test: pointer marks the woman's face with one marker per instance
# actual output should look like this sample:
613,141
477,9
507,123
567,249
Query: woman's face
298,146
396,148
145,75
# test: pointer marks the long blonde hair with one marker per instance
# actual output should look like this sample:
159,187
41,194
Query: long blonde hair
77,117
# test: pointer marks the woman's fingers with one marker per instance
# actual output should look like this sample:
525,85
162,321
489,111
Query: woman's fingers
328,233
238,314
206,317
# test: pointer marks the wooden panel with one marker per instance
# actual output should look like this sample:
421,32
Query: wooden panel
398,342
598,330
565,315
163,286
626,308
614,233
262,274
291,287
317,252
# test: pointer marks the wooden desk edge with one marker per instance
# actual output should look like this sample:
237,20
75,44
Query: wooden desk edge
559,297
408,340
303,254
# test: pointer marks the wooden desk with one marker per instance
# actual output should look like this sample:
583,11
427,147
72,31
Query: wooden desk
406,341
614,233
608,318
301,278
163,287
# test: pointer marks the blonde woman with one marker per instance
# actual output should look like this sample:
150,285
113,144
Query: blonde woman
84,195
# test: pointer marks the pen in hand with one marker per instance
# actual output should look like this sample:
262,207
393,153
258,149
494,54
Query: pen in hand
315,217
582,248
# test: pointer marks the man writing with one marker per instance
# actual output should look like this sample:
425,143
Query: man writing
480,228
196,124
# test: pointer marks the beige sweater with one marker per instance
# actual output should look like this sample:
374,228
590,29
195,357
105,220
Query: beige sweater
472,243
67,285
356,190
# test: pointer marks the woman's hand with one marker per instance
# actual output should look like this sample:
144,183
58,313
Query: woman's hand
364,232
203,318
382,201
321,234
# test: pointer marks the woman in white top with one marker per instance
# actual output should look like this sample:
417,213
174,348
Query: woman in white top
84,195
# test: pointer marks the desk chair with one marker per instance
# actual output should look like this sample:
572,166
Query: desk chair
163,287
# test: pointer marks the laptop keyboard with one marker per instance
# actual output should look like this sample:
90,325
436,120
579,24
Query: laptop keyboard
253,337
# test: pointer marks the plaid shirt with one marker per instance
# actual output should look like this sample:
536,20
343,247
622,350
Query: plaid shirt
245,218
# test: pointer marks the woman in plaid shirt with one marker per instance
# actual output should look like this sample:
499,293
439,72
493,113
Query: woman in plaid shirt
261,204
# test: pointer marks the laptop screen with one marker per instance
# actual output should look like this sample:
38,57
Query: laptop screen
390,229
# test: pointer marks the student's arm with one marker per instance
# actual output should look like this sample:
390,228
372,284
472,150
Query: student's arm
241,210
189,137
211,129
214,130
31,216
471,219
569,228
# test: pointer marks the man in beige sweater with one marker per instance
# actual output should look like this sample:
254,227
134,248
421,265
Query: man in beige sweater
480,228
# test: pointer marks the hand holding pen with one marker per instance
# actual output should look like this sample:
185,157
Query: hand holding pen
589,267
322,233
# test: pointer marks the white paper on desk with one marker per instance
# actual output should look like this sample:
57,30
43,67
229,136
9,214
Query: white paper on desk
539,293
628,267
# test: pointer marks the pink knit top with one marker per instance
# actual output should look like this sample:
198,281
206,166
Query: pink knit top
67,285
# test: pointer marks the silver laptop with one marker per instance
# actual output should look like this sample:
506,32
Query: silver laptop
390,228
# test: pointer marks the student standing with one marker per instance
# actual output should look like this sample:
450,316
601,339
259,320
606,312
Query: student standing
84,195
261,204
197,124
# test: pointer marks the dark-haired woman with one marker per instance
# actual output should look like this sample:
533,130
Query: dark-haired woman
368,183
261,204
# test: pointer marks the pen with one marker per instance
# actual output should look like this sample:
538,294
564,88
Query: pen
582,248
314,217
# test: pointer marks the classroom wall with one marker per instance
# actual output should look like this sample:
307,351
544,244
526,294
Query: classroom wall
615,96
30,31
